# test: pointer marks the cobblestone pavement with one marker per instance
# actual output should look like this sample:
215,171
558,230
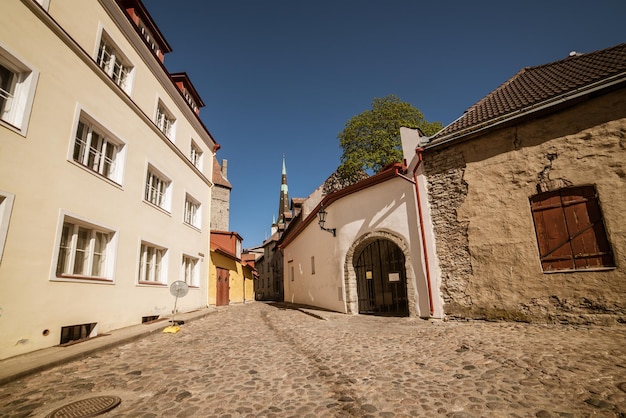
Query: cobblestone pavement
258,360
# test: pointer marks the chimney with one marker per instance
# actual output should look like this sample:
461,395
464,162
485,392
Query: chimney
224,168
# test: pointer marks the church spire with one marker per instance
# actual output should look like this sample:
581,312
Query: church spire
283,204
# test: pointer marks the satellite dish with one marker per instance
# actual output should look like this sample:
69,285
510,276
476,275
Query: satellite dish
178,289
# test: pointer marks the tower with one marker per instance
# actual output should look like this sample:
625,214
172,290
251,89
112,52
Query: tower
283,203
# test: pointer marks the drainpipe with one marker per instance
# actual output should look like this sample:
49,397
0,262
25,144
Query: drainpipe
419,151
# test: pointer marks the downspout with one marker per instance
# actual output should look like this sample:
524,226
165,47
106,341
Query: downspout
419,151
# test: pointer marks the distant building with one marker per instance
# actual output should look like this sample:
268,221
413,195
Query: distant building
220,200
232,274
232,277
105,174
269,285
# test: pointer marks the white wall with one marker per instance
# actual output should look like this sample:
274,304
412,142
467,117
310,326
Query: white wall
38,170
388,207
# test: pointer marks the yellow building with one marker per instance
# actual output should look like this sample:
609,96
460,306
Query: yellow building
105,173
231,279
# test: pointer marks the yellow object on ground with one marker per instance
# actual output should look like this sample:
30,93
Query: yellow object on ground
172,329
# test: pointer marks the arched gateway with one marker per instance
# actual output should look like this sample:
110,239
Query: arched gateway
379,278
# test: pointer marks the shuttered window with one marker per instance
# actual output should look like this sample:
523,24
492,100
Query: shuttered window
570,230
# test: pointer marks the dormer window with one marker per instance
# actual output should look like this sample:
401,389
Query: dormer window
145,26
187,90
190,101
147,35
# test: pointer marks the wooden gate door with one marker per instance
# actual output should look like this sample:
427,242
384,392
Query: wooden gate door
381,279
222,297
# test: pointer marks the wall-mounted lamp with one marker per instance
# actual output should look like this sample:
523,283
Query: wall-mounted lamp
322,220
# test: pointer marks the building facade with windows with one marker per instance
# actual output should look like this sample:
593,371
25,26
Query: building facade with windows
527,195
105,174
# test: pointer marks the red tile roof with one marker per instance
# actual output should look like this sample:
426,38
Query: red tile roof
218,178
534,87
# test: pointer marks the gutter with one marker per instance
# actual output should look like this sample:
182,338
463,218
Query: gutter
420,156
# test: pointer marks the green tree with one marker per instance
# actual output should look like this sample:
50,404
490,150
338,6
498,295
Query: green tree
371,140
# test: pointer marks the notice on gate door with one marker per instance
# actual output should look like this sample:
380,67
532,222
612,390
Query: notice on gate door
394,277
368,274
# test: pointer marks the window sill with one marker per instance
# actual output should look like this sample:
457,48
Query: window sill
159,208
157,284
12,127
98,175
195,228
82,279
597,269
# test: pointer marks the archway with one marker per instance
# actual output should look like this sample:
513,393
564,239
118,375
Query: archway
381,279
378,276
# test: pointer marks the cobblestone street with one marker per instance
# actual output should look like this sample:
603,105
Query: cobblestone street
258,360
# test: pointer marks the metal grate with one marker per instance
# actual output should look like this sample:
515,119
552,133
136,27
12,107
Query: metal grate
89,407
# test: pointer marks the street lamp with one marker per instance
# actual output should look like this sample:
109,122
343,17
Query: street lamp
322,220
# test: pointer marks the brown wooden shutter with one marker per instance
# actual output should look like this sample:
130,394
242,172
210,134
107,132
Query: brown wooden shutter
570,230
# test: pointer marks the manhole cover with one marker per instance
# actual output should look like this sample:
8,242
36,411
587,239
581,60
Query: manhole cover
89,407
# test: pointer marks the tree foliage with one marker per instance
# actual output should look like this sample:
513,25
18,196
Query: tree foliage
371,140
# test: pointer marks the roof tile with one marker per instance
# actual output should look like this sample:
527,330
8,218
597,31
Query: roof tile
532,86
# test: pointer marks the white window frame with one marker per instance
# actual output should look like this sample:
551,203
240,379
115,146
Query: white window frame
97,150
190,273
192,214
195,155
157,189
6,206
114,63
45,4
152,268
18,94
73,225
165,121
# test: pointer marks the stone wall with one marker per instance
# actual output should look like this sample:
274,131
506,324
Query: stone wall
447,191
220,208
486,245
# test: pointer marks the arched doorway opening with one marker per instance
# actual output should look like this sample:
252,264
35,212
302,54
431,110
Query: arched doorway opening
381,279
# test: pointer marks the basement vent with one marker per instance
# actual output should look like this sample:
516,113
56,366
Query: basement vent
146,319
77,332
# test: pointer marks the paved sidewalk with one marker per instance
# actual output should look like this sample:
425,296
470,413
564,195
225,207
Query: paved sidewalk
23,365
272,361
20,366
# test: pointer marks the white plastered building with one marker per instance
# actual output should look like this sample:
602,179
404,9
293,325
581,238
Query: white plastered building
105,174
371,257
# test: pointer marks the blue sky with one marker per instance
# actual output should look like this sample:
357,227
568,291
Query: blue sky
283,77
